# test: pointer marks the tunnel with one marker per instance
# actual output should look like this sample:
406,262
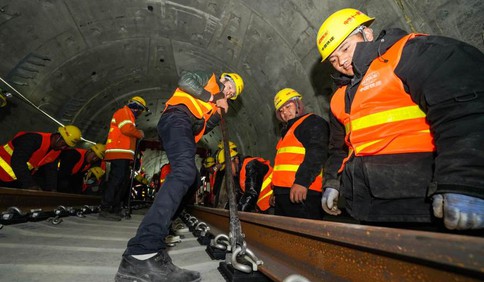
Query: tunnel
76,62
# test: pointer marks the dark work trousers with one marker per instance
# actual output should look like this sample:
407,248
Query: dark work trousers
115,191
310,208
175,131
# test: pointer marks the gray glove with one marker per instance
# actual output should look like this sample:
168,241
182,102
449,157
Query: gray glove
329,201
459,211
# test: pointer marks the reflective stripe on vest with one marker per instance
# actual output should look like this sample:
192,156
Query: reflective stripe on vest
290,154
265,193
393,123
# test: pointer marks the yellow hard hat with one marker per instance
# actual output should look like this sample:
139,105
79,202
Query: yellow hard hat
232,145
209,162
237,79
139,100
336,28
71,134
285,95
95,171
99,149
221,156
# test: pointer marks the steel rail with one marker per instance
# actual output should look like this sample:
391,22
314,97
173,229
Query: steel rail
26,200
332,251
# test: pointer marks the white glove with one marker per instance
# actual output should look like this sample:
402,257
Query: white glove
459,211
329,201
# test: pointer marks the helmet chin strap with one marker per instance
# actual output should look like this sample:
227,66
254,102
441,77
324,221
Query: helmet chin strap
57,141
295,101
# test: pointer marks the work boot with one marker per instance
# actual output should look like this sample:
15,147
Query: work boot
158,268
105,215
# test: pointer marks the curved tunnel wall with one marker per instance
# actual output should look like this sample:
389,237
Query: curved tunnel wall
81,60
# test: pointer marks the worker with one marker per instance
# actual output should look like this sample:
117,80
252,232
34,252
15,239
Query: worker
207,175
406,124
254,178
301,153
192,111
4,96
73,164
92,180
219,174
120,152
164,171
27,151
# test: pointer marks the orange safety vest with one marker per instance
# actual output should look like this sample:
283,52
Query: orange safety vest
118,145
383,118
165,170
41,156
266,188
290,154
78,166
200,109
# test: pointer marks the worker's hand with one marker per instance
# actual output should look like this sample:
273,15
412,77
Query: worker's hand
222,104
298,193
329,201
272,200
459,211
142,134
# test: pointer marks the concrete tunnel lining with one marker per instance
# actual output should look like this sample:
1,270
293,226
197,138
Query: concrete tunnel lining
81,60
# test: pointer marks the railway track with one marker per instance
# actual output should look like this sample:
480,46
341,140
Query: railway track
331,251
30,199
320,250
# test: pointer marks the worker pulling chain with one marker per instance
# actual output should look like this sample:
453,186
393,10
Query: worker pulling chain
236,237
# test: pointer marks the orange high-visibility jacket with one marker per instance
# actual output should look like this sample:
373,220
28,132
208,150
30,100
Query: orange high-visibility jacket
40,157
383,118
200,109
164,171
122,136
78,166
290,154
266,188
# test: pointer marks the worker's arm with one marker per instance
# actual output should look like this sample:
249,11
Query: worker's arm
25,145
445,78
337,152
126,125
193,83
51,176
254,177
68,159
313,134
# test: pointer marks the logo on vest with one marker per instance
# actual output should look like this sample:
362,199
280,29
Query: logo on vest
371,80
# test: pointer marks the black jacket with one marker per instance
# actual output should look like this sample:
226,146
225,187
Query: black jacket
254,177
25,145
445,78
313,134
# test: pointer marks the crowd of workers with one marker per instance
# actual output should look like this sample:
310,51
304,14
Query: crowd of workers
403,144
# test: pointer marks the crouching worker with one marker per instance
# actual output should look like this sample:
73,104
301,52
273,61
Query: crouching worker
253,175
92,180
27,151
